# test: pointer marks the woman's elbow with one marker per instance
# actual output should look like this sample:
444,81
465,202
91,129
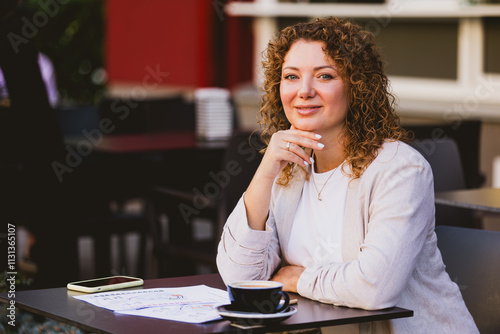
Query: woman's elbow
376,301
375,305
223,269
231,271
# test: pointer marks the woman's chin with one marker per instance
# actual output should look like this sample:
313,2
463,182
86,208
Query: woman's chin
305,127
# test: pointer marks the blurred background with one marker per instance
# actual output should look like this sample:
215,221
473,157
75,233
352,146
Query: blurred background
107,58
443,56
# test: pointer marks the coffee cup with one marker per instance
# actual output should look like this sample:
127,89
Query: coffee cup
258,296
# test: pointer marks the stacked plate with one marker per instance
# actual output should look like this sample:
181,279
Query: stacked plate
214,113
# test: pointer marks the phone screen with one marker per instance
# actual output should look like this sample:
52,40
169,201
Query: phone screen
106,281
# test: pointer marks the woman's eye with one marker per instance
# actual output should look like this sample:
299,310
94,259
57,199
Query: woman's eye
290,77
326,76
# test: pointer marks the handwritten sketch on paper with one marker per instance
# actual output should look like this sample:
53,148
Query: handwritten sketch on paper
193,304
193,313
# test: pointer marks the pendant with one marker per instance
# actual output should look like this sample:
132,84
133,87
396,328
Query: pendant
319,197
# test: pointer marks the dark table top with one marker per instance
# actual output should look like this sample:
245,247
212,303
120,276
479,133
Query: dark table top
483,199
60,305
145,142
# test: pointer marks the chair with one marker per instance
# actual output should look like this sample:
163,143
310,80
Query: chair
472,259
445,161
444,158
467,135
181,251
92,187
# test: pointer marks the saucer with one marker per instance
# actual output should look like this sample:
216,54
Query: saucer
254,318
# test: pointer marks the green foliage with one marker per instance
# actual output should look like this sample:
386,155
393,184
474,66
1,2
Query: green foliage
73,38
23,282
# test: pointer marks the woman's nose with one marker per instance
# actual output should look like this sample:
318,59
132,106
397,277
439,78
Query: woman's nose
306,89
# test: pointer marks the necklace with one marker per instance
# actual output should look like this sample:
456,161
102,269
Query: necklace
314,182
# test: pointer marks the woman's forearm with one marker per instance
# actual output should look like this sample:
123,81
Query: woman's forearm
257,199
285,147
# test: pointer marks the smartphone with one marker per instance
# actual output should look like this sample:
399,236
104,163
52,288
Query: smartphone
105,284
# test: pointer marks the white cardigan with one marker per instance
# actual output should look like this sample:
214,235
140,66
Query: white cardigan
389,248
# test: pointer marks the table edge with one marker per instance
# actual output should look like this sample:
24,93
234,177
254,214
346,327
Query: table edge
54,317
402,313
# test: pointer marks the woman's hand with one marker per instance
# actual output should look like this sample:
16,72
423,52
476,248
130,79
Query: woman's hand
284,147
289,276
288,146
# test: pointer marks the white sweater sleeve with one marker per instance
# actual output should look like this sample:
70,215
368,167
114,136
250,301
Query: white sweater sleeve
246,254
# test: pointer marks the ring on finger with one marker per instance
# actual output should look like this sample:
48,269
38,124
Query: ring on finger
288,146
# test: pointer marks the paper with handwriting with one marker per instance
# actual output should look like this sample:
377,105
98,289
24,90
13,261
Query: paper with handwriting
194,304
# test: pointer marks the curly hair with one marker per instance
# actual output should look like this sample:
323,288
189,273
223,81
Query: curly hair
371,118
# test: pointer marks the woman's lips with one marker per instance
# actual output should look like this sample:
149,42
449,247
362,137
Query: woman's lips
306,110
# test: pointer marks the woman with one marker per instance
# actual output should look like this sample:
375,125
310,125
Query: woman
340,210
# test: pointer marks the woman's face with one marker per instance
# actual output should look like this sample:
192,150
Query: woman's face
313,95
